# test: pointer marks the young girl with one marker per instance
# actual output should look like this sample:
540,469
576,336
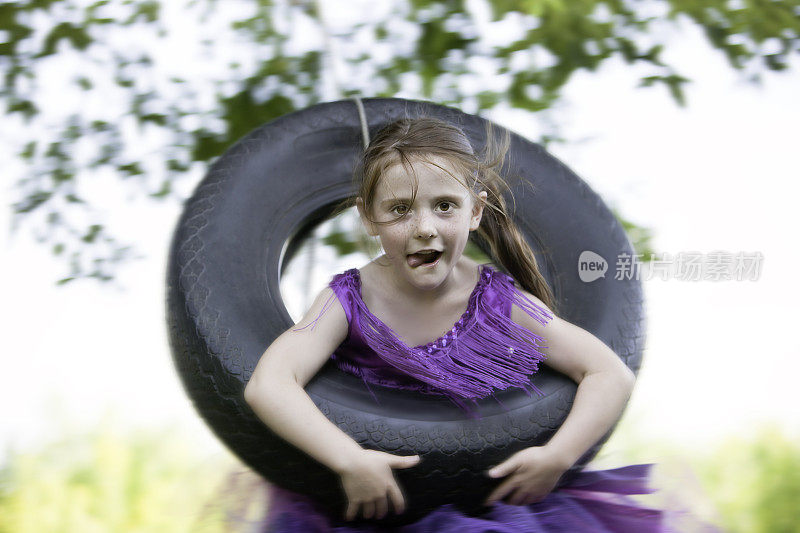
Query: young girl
421,191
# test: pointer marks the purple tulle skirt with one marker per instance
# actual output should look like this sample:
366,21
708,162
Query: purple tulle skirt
595,501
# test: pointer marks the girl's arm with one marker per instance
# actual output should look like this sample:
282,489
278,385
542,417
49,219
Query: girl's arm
604,386
275,393
604,382
275,390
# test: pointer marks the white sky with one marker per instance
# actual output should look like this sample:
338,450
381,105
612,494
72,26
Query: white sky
721,357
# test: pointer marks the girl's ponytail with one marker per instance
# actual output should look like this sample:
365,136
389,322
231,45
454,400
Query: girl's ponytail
506,242
509,247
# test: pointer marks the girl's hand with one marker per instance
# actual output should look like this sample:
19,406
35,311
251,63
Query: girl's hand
369,483
533,473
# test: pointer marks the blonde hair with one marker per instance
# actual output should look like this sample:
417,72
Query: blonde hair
419,139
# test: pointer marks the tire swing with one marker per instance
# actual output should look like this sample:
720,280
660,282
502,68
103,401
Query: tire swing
245,221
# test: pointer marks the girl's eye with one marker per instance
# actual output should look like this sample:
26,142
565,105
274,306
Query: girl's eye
402,209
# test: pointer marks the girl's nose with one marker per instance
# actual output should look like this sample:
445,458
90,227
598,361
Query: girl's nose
425,227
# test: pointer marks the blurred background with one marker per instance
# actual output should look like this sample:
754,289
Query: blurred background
682,115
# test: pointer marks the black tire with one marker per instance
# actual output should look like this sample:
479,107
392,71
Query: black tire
224,306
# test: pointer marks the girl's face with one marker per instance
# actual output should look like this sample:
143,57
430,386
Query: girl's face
440,218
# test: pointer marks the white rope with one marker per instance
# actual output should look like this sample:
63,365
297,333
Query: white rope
363,117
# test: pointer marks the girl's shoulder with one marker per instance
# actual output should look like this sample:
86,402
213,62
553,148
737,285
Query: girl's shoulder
522,305
353,277
346,286
349,278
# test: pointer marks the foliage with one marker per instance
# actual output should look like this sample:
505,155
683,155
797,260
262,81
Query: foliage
102,481
740,484
755,482
639,236
155,481
276,56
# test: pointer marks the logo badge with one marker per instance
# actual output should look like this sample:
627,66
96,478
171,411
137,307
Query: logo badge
591,266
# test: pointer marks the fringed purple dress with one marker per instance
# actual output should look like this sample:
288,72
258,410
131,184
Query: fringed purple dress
484,351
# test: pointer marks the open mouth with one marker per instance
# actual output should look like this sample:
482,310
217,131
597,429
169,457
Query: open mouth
427,258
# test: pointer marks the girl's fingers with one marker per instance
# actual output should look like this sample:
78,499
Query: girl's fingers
351,511
518,496
381,507
397,499
533,499
398,461
500,492
502,469
369,509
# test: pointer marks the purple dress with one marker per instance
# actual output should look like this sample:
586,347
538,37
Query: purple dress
484,351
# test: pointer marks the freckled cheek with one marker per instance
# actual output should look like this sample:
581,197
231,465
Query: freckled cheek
453,230
397,240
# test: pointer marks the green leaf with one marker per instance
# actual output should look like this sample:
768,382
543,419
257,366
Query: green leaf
243,113
26,107
100,125
42,4
71,198
343,243
674,83
176,165
84,83
776,61
123,82
488,99
147,11
166,188
17,32
29,151
639,236
131,169
155,118
32,201
61,175
91,235
77,36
